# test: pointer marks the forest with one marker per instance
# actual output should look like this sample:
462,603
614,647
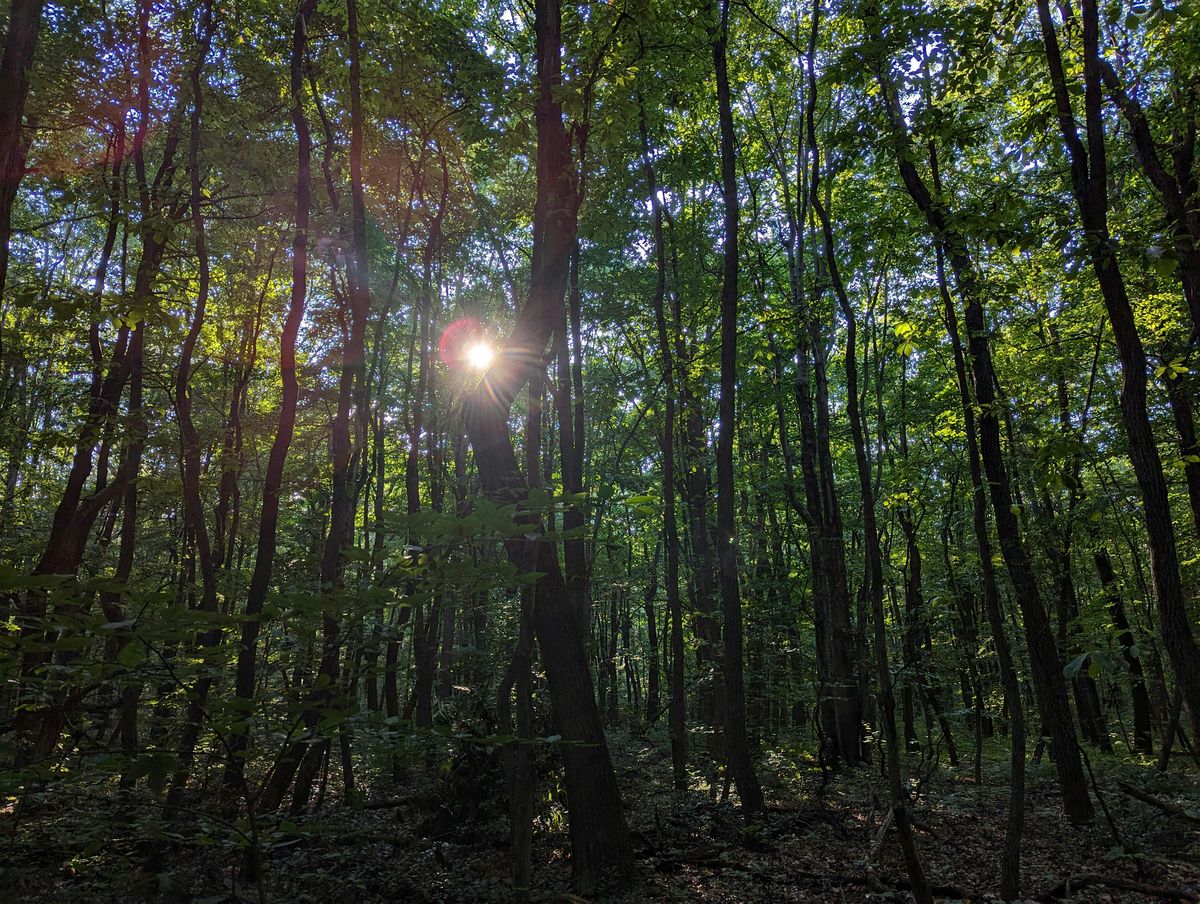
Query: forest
605,451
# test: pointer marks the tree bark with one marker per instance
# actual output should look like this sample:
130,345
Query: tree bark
20,43
264,561
599,837
1143,735
1089,178
737,747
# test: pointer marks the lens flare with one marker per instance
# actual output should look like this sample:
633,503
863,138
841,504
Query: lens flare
479,355
464,344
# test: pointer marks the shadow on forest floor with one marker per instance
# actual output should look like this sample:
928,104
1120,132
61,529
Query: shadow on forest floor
447,841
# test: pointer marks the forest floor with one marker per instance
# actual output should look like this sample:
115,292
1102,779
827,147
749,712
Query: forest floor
446,840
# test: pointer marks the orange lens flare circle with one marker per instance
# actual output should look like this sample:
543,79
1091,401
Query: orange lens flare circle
464,344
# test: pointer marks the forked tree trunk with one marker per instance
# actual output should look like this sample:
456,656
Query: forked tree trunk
599,837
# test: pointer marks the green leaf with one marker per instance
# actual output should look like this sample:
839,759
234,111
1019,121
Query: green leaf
132,654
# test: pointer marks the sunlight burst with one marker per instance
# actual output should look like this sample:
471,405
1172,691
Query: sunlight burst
480,355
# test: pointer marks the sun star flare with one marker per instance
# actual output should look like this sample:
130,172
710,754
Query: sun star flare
479,355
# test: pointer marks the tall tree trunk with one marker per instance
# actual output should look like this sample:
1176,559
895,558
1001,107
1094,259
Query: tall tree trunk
1089,178
897,793
1043,652
705,627
676,715
518,757
1010,864
189,451
260,579
346,445
737,747
424,624
842,705
599,837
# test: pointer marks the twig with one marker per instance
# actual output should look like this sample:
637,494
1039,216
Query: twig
881,837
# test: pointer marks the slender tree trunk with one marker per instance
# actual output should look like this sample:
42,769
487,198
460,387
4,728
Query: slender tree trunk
1010,866
260,579
1043,652
676,715
571,439
1010,858
75,515
653,705
611,712
346,445
225,512
1089,177
737,746
189,452
1143,734
898,795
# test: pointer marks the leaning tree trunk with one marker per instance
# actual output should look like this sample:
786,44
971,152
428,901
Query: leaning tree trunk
1089,177
1044,658
1010,861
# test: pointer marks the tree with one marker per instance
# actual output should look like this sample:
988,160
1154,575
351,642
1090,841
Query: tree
737,750
1089,178
600,841
20,43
